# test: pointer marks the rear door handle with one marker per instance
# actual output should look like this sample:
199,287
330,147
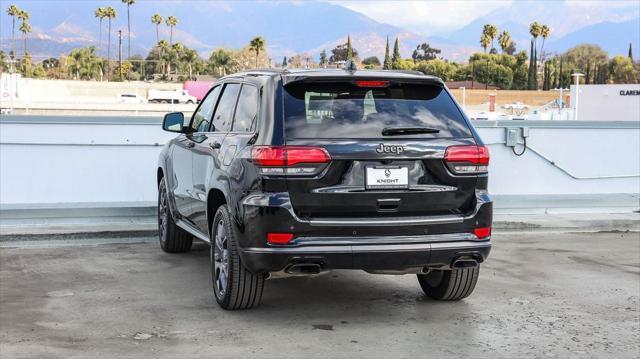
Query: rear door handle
215,145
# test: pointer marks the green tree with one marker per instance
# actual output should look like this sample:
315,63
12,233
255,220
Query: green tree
349,48
424,52
13,11
25,28
172,22
222,62
439,68
128,3
504,40
257,44
157,19
630,53
387,57
191,59
323,58
84,64
339,53
395,59
371,60
621,70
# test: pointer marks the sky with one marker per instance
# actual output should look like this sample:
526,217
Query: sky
417,15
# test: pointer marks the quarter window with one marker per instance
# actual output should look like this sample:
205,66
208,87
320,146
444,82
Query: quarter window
202,117
247,109
224,112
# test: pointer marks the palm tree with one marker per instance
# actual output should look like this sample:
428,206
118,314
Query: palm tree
535,30
172,22
110,13
190,57
25,28
13,11
545,31
491,32
100,14
163,45
485,41
504,40
257,45
128,3
222,62
157,20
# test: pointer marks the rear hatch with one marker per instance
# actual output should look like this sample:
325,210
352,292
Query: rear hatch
384,144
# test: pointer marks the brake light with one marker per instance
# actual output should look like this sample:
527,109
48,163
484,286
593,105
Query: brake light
482,232
279,238
372,83
294,160
467,159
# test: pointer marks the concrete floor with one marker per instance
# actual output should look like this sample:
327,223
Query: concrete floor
539,295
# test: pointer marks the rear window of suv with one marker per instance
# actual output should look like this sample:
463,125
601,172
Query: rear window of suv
344,110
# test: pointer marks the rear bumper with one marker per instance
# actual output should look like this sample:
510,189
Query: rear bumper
393,253
380,243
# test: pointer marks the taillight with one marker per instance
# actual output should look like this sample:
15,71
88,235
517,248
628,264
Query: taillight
279,238
372,83
482,232
290,160
467,159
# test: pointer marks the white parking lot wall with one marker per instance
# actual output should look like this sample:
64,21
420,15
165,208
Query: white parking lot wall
112,160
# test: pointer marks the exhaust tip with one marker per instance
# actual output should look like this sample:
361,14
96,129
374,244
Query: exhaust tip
304,269
465,263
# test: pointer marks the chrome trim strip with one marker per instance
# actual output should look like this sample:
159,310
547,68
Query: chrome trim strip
381,248
189,228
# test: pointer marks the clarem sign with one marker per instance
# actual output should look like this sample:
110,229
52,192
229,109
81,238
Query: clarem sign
607,102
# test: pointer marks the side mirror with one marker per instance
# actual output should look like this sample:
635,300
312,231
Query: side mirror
174,122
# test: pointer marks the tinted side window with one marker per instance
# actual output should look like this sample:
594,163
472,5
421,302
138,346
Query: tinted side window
224,112
247,109
202,117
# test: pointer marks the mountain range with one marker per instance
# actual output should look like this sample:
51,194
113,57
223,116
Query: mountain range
293,27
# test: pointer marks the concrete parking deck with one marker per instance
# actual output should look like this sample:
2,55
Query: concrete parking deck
552,295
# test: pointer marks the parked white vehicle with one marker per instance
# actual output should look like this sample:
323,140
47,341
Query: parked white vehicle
171,96
131,98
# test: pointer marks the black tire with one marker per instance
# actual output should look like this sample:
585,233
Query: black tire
234,287
452,284
173,239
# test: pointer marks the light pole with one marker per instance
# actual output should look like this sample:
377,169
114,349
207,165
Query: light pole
120,53
577,77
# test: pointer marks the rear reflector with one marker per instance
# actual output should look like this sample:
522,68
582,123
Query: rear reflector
279,238
467,159
482,232
285,156
372,83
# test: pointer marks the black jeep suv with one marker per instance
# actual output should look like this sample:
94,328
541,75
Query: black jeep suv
297,172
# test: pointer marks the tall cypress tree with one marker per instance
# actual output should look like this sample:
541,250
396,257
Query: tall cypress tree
284,61
535,68
561,79
396,54
349,48
387,57
530,74
630,53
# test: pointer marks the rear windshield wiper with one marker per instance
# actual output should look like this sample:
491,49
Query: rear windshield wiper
394,131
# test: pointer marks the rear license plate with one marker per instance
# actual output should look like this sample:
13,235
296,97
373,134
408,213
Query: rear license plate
386,177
